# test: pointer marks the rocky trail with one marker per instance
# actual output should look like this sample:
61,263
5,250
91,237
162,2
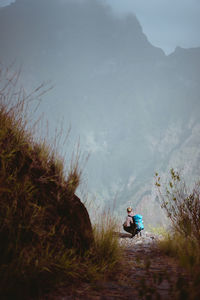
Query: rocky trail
149,274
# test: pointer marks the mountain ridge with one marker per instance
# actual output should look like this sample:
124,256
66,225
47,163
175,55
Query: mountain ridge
129,102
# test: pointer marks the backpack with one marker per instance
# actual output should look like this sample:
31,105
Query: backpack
138,222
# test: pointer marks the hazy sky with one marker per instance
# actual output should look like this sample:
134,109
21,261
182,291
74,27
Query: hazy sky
167,23
5,2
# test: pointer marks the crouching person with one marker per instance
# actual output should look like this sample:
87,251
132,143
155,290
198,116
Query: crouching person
129,224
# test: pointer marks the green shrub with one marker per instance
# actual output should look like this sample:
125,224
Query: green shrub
181,205
183,241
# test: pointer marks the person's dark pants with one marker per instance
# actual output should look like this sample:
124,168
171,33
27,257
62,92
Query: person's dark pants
138,231
130,229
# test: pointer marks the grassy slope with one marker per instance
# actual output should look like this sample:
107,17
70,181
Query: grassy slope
33,256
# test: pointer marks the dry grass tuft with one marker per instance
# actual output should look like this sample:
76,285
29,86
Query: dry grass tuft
35,256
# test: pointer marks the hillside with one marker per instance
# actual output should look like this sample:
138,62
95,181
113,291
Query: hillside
135,109
38,205
46,236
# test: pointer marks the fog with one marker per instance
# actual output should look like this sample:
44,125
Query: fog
167,23
135,109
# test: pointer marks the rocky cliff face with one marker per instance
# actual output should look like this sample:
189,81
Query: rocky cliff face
135,109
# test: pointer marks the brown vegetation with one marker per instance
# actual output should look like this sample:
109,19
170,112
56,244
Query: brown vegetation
46,237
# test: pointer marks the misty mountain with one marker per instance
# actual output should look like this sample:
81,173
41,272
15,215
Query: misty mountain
135,109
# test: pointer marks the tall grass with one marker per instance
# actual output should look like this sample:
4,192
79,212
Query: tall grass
182,206
108,252
37,251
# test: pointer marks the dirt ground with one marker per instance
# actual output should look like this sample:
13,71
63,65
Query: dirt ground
149,274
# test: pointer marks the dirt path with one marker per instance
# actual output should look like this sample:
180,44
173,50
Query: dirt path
149,274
